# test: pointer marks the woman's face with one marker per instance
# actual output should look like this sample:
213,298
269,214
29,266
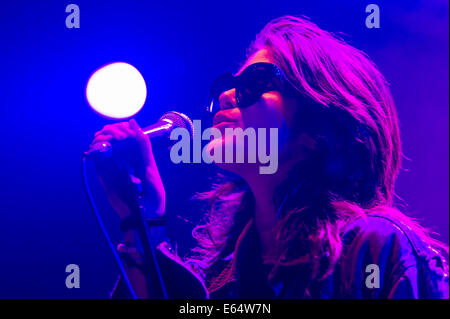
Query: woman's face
271,111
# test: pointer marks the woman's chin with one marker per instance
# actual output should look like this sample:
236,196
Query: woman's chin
220,159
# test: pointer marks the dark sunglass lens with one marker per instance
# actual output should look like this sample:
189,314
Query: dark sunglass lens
253,82
213,105
245,97
223,83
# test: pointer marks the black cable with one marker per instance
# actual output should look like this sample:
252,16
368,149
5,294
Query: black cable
102,226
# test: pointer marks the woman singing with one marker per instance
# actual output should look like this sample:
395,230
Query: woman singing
323,225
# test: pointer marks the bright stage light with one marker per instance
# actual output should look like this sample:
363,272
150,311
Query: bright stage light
116,90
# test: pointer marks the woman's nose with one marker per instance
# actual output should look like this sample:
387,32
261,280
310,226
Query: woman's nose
227,99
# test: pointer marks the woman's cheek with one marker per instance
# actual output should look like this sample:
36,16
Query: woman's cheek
266,113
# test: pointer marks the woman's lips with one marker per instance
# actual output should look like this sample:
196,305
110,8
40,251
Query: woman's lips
220,118
222,125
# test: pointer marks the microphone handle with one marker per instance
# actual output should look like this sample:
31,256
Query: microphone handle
162,127
157,132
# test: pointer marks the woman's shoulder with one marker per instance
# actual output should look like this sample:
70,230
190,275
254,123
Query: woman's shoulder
388,234
377,240
392,229
376,229
395,249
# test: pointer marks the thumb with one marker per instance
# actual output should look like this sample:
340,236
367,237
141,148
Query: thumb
133,125
144,143
140,136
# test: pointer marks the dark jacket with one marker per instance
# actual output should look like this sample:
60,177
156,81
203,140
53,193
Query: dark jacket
381,258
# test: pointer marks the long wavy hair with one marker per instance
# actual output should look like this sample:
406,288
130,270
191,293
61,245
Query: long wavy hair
346,108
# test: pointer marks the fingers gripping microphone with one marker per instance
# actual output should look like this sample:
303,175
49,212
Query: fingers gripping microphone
159,131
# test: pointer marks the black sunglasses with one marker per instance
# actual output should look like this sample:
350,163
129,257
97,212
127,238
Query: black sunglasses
256,79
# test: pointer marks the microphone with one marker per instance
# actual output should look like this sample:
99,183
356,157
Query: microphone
158,131
167,123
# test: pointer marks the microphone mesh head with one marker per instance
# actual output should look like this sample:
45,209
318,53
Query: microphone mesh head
179,120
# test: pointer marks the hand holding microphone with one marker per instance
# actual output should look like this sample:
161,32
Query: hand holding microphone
137,154
128,143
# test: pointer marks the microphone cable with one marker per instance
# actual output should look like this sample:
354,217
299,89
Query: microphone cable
102,226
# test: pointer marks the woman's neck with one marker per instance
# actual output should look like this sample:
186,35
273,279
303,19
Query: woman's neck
263,189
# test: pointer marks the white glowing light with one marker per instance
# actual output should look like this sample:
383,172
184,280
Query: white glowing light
116,90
